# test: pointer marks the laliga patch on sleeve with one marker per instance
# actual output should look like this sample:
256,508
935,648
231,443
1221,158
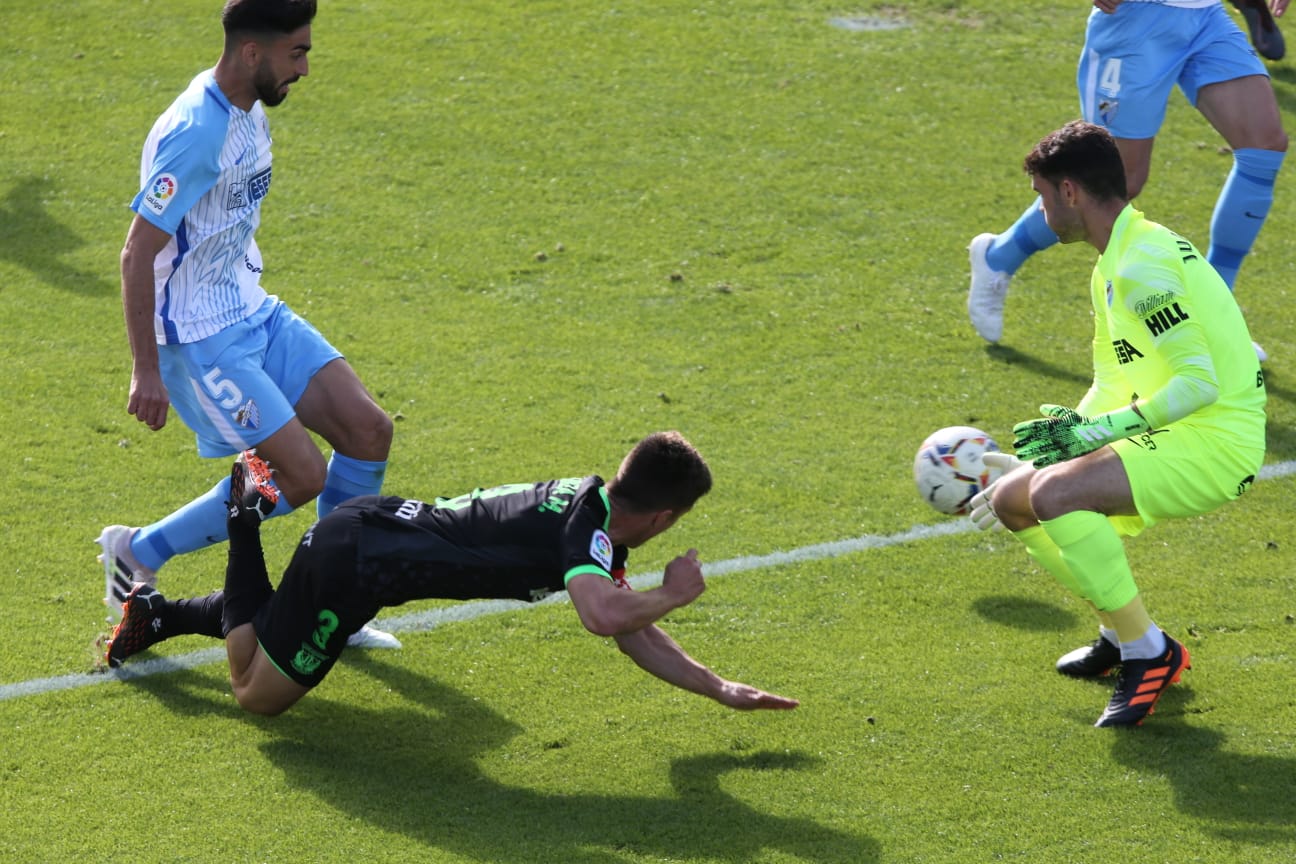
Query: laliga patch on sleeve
601,549
161,193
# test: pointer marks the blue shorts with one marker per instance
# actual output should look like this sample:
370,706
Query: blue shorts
1134,57
238,387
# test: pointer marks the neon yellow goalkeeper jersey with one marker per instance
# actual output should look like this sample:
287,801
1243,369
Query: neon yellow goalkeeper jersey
1168,333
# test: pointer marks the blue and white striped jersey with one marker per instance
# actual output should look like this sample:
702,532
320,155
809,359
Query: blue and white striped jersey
205,169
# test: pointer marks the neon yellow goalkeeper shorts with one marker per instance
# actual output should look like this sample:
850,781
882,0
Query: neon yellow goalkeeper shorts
1185,470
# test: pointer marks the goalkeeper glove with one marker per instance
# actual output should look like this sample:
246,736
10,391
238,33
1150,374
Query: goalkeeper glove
981,513
1063,434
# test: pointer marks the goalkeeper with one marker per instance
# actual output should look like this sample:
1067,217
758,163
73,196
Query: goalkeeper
1172,426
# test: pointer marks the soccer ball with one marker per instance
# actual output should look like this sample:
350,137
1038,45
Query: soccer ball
948,467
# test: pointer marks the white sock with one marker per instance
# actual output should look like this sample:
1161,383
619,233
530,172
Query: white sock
1109,634
1151,644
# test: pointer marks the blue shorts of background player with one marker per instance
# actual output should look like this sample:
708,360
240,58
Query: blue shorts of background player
1132,58
238,387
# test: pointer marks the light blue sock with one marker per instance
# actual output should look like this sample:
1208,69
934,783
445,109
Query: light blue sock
1241,209
1028,235
196,525
346,479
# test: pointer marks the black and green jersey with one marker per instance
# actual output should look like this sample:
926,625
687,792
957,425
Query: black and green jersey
521,541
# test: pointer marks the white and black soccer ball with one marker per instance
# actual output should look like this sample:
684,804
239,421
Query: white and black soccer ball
949,470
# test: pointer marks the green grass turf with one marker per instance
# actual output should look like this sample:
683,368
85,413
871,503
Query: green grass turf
540,231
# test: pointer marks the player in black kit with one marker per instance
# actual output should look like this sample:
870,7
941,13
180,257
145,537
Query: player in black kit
522,541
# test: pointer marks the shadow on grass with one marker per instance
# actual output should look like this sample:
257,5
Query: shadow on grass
190,695
1244,797
1012,357
34,241
1024,614
414,771
1280,439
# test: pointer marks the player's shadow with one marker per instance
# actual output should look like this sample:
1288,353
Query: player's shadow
33,240
1280,438
1024,613
1245,797
192,692
1012,357
414,771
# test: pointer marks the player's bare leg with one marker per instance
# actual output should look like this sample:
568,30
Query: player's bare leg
258,686
337,406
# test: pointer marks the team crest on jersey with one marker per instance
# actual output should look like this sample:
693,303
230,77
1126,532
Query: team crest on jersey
1109,293
246,194
161,193
601,549
248,415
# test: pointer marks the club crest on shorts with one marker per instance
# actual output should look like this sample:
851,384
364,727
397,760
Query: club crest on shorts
1107,109
248,415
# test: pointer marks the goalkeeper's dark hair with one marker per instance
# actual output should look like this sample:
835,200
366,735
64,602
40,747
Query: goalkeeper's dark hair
662,472
1083,153
266,17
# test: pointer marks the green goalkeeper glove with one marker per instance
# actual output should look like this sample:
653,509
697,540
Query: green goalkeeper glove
1063,434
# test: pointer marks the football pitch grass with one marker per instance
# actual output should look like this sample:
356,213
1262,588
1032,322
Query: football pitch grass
540,231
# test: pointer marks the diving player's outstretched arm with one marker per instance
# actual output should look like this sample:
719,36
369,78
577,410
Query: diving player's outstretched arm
660,655
628,617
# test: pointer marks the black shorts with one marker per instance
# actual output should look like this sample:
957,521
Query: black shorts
318,604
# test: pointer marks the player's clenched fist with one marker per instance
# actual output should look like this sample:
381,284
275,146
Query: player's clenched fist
683,578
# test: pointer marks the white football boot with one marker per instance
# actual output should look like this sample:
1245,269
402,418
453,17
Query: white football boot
121,569
987,292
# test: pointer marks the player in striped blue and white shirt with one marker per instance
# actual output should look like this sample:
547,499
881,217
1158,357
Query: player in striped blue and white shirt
239,367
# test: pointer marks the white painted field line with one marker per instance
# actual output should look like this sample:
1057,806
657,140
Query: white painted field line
427,620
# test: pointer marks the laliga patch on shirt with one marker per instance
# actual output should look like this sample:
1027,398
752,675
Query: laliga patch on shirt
161,193
601,549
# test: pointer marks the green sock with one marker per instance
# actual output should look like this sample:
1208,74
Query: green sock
1092,551
1046,553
